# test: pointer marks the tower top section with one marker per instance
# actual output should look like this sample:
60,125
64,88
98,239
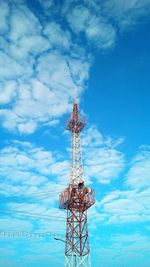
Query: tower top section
75,123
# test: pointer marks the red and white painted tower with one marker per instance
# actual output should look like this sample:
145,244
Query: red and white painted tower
76,199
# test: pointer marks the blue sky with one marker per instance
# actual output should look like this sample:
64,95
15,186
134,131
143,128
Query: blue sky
52,52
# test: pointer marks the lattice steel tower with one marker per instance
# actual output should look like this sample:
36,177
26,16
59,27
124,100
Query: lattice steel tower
76,199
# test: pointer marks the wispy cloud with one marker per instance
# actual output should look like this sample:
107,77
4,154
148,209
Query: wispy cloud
103,161
138,175
126,13
126,206
129,205
26,168
29,188
125,249
95,28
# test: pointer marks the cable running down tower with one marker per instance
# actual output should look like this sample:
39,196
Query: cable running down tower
76,199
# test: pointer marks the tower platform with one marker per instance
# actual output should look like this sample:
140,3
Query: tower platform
77,198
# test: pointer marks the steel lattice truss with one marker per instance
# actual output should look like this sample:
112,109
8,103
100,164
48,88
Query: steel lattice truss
76,168
76,199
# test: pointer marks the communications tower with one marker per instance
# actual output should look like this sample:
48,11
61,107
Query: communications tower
76,199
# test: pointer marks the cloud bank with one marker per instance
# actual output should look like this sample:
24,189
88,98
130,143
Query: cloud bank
44,63
131,204
41,70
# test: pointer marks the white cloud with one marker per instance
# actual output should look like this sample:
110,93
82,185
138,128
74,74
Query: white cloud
34,44
28,127
126,13
58,75
83,15
92,137
95,28
8,92
57,37
24,165
49,74
138,175
101,21
46,59
9,68
9,119
103,164
103,161
30,186
20,22
102,34
46,3
4,13
41,103
125,206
